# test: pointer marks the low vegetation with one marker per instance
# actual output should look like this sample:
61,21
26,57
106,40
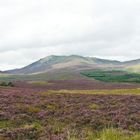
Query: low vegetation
39,83
97,92
7,84
109,134
69,115
36,114
133,68
113,76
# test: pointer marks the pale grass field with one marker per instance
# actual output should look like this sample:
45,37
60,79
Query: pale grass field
104,92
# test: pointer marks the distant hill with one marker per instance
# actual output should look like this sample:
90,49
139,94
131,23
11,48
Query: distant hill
2,72
71,63
133,68
64,62
132,62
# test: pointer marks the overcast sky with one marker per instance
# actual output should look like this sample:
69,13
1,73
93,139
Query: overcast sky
33,29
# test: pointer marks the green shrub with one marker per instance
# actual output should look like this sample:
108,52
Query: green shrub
3,84
9,84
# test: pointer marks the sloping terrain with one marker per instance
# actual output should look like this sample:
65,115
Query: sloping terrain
72,62
134,68
62,74
113,76
66,68
132,62
52,99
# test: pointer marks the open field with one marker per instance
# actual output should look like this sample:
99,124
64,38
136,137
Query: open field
77,84
52,75
41,110
98,92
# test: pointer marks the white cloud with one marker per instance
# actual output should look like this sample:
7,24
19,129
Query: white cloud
31,29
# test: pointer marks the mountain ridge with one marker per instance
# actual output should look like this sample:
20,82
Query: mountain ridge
55,62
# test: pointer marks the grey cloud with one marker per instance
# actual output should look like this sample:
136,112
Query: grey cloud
33,29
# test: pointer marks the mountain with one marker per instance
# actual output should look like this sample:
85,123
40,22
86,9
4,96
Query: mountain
71,63
133,65
132,62
2,72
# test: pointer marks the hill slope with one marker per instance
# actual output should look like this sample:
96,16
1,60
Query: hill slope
72,62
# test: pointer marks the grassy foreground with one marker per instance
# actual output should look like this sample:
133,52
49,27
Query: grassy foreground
70,114
106,134
109,134
96,92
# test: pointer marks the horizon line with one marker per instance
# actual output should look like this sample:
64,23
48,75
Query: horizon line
98,57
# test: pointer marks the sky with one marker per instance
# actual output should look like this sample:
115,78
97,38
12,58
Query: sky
33,29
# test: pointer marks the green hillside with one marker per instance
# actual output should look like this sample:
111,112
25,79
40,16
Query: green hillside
113,76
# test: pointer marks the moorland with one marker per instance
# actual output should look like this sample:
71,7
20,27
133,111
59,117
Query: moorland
71,98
